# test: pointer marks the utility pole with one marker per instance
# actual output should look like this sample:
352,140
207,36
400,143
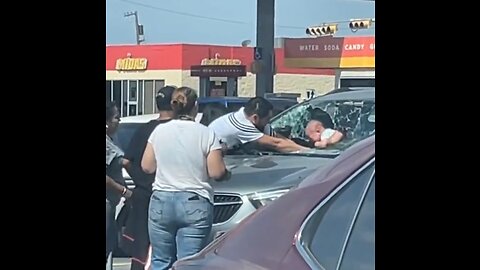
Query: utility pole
138,27
265,47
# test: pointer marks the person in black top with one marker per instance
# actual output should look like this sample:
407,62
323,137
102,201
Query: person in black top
136,230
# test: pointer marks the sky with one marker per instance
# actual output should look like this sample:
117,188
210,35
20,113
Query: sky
227,22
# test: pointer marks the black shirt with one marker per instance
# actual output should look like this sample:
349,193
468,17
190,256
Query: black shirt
134,153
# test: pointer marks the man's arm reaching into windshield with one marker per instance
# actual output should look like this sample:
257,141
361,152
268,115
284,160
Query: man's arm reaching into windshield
263,140
334,138
279,144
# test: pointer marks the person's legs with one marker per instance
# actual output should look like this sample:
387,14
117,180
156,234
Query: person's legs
162,229
110,228
196,213
139,227
148,264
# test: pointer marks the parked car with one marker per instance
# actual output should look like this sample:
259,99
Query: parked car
205,105
327,222
259,177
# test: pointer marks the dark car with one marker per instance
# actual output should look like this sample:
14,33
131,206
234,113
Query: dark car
327,222
347,89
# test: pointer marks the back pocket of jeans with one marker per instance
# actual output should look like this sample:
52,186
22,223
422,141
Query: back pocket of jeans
198,211
156,208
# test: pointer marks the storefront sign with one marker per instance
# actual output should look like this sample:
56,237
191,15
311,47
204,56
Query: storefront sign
220,62
330,52
218,71
131,64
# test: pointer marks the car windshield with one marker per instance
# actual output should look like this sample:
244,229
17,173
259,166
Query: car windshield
355,118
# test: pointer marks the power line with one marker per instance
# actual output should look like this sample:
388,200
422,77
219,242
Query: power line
183,13
218,19
201,16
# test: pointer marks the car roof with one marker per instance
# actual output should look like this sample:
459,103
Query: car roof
361,94
139,118
222,99
204,100
348,89
145,118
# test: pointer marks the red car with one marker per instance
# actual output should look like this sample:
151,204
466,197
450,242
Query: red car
327,222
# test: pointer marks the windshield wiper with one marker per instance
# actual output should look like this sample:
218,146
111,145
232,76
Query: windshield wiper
313,153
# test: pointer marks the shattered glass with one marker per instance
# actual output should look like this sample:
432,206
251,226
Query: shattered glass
354,118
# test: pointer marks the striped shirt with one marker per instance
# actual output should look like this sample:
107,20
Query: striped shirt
234,129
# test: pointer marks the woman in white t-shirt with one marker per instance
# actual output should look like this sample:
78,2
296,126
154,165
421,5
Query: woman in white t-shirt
185,156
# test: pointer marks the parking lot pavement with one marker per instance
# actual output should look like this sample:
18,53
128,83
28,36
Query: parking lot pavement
121,264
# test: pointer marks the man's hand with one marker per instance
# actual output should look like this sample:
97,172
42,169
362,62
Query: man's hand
321,144
224,148
128,194
226,176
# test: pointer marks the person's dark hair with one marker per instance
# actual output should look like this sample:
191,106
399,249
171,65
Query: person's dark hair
110,112
323,117
212,112
164,97
183,101
259,106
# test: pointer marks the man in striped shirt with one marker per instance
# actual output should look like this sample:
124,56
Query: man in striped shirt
248,124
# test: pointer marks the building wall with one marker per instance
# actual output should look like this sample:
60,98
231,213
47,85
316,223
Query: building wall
284,83
290,83
172,62
171,77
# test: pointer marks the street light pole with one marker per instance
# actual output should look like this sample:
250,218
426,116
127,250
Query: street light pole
138,27
265,41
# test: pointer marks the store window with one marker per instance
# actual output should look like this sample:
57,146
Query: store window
140,98
149,97
108,91
133,97
158,85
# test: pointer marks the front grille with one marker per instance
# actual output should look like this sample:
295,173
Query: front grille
225,207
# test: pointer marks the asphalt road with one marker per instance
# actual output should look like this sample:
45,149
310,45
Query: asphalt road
121,264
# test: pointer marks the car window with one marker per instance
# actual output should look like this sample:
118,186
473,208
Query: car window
280,106
124,134
325,232
206,105
211,112
360,251
351,117
233,107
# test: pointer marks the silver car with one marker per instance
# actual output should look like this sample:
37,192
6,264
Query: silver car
259,177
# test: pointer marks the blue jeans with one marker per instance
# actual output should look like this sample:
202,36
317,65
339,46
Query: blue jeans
178,224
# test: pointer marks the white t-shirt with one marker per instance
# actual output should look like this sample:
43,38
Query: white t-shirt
181,148
234,129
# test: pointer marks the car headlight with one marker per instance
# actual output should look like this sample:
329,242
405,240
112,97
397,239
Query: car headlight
260,199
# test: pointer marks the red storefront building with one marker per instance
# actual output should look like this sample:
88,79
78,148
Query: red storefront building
135,72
